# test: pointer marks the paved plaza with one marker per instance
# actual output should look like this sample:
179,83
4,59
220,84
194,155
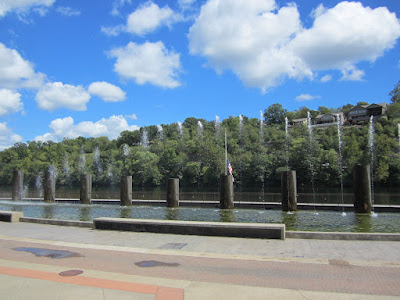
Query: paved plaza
57,262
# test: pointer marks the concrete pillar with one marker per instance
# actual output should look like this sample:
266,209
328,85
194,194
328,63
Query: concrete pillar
49,186
86,188
289,190
173,192
226,191
126,190
362,189
18,185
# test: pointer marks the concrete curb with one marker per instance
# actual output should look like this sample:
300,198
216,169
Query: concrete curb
10,216
57,222
351,236
229,229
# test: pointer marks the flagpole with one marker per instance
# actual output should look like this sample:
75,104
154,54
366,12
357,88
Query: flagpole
226,156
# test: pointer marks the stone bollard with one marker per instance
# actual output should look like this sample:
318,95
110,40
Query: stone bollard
289,190
226,191
126,190
362,189
18,185
173,192
49,186
86,189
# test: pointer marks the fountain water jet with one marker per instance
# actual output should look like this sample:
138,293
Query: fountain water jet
160,132
340,143
96,161
240,128
240,157
398,133
39,184
144,141
82,162
217,126
311,157
261,126
262,145
180,129
125,150
199,129
371,146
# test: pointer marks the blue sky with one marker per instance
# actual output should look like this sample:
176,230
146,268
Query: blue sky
95,68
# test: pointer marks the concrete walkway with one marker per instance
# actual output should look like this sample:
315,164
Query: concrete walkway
55,262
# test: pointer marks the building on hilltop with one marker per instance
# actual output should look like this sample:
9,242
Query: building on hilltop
362,113
297,122
377,110
330,118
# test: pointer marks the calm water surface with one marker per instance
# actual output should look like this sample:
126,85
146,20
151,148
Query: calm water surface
325,221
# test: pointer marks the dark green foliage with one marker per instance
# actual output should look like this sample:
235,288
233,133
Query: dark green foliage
275,114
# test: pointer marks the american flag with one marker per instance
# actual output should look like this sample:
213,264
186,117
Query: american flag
230,169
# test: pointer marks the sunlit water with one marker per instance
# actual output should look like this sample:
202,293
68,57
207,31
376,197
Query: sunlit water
326,221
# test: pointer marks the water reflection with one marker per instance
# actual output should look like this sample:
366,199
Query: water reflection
172,213
126,212
16,208
48,212
362,222
290,220
84,213
227,215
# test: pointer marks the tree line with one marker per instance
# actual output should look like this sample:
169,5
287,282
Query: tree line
259,150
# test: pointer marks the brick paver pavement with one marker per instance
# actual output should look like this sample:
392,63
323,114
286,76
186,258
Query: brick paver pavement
355,267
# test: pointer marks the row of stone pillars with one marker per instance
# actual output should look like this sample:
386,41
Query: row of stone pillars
361,182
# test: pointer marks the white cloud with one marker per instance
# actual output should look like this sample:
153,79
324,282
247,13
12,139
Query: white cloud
264,44
146,19
68,11
10,102
132,116
185,4
22,5
352,73
65,127
148,63
117,5
15,72
306,97
347,34
249,38
55,95
113,30
326,78
108,92
7,137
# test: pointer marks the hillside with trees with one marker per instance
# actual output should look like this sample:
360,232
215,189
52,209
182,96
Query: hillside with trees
195,154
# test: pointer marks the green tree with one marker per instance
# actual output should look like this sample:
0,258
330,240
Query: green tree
275,114
395,93
323,110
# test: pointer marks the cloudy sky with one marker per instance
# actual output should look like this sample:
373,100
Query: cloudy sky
98,67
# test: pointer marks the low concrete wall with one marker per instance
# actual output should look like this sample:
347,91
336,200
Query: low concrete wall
57,222
10,216
351,236
244,230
